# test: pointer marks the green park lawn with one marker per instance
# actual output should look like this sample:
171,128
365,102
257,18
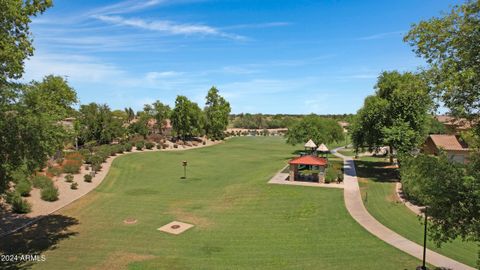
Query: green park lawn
241,222
378,191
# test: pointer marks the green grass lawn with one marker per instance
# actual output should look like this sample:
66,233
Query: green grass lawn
378,190
241,222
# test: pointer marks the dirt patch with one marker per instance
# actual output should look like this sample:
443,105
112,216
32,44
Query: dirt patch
120,260
362,180
130,221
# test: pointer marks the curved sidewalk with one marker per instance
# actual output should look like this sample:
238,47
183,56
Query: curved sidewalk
354,204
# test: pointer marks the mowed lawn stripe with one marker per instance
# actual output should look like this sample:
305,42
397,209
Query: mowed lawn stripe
241,222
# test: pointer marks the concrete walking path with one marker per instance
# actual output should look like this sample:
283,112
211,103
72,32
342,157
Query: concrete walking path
354,204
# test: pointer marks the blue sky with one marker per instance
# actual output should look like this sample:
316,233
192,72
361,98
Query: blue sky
268,56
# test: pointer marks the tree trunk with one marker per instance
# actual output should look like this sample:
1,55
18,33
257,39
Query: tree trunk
390,150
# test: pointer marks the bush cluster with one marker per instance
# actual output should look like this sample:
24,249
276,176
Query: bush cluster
149,145
54,170
139,145
23,187
49,193
72,166
87,178
40,181
19,205
69,178
74,185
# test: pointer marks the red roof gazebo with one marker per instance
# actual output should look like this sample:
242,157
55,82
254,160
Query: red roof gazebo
308,160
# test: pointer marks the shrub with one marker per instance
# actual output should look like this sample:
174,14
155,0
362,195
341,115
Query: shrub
23,187
20,205
85,153
69,178
159,146
41,181
59,161
139,145
340,177
165,146
49,193
74,185
120,148
72,166
175,145
95,160
96,167
54,170
128,147
149,145
87,178
74,156
204,143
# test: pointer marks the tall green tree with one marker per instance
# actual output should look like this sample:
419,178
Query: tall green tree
217,110
451,192
316,128
396,115
97,123
130,114
30,124
15,36
161,112
450,45
187,118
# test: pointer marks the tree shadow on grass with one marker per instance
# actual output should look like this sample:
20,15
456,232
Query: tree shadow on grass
378,171
35,239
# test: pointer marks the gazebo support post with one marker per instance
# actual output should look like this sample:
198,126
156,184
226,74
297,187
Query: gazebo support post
293,172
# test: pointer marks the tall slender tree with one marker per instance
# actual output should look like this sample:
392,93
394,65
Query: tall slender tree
187,118
216,110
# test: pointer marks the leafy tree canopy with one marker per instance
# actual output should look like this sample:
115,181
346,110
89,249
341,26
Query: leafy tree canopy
318,129
187,118
396,115
450,44
217,110
15,35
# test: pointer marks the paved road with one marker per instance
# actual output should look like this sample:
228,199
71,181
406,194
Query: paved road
354,204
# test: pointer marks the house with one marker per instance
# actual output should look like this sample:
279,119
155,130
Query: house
452,145
344,125
454,125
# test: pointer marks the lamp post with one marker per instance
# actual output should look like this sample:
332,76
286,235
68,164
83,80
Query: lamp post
184,164
423,267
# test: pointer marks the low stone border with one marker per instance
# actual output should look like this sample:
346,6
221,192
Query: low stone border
414,208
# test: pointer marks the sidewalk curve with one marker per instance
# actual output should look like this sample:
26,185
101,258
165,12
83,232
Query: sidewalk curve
354,204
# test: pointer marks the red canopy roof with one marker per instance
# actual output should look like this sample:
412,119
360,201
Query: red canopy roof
309,160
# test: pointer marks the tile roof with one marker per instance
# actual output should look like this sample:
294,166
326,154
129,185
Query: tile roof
448,142
309,160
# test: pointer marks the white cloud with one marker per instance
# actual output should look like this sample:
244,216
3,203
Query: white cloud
126,7
168,27
381,35
257,25
76,67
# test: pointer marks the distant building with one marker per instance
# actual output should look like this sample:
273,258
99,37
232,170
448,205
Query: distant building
68,123
344,126
456,149
454,125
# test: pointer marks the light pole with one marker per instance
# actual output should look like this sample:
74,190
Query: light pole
423,267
